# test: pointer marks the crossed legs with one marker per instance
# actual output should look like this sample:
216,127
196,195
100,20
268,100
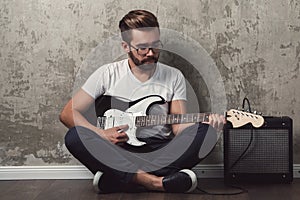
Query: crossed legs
121,167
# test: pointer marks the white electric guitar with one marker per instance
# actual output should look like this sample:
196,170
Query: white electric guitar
112,112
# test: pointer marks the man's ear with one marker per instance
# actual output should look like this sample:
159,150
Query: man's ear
126,46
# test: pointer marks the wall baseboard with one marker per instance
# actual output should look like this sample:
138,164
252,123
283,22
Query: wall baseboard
81,172
44,172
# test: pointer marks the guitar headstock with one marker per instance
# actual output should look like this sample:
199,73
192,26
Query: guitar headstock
240,118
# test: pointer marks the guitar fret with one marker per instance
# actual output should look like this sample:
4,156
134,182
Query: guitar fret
176,118
160,119
149,120
195,118
144,122
163,119
199,116
183,119
205,118
188,117
168,119
155,119
141,120
192,118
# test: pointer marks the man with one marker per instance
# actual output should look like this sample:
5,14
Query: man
163,159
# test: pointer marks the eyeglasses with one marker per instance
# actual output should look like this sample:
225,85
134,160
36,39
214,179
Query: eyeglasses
142,50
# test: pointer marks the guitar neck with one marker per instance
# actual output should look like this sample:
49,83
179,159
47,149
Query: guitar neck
152,120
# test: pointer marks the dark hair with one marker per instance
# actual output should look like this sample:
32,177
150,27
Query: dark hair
136,19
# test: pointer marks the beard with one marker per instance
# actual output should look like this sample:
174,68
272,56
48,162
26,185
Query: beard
145,64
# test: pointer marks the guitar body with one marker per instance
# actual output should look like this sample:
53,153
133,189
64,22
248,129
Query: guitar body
118,112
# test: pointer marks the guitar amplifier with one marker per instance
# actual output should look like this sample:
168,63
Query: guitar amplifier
263,154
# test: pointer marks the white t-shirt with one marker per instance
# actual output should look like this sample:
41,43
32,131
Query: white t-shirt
117,80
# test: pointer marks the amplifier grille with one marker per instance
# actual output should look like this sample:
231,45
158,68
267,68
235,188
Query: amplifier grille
268,151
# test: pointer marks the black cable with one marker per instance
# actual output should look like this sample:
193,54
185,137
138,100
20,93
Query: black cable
242,190
244,101
251,137
245,151
212,193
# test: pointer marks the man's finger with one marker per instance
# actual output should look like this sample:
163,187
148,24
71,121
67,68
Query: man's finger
124,127
120,130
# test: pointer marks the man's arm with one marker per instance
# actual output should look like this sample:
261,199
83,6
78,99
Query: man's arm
72,115
179,107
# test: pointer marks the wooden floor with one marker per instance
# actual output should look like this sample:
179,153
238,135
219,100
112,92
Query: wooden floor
82,190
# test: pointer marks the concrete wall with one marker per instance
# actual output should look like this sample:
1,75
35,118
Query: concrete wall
255,45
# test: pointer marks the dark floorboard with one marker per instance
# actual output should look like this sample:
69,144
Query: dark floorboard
83,190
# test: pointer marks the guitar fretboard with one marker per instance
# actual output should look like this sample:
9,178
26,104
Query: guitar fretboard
152,120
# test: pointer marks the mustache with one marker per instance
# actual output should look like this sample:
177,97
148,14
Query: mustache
149,59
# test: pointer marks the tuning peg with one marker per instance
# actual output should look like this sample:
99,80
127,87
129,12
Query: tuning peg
240,109
257,113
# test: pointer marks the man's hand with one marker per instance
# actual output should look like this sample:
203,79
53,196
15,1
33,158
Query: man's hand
216,121
115,135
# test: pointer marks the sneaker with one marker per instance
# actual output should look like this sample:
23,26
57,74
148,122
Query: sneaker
183,181
96,181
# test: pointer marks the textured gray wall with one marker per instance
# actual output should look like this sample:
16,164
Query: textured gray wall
255,45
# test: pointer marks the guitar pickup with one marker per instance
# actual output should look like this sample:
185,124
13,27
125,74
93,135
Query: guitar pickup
101,122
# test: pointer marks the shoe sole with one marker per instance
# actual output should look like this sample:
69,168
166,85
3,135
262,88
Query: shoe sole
96,180
193,176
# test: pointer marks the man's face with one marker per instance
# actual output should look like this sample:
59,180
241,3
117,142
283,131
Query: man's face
142,40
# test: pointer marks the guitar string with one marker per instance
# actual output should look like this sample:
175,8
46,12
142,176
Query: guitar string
151,120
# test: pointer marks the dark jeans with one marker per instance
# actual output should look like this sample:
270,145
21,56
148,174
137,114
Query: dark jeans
120,163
